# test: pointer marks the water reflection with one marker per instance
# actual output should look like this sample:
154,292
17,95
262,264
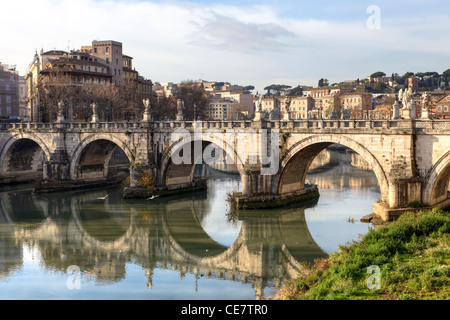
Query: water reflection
182,247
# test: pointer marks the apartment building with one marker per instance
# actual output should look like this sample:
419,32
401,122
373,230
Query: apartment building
100,63
9,92
223,109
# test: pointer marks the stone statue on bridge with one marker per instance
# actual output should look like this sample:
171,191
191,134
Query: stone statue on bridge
60,116
426,101
180,107
94,112
259,103
147,116
405,96
287,107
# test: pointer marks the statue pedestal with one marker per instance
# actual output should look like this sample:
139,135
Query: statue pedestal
60,118
94,118
258,116
396,111
286,117
425,114
147,117
180,117
407,114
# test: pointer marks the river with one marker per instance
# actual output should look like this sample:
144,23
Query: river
75,245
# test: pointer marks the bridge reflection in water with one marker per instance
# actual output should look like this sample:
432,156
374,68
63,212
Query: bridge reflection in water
193,236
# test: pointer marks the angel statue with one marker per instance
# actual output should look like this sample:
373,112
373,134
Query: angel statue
426,99
287,103
146,103
180,106
259,103
60,107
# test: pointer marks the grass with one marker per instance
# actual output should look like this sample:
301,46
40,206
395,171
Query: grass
412,254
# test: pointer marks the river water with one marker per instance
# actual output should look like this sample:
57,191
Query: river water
73,245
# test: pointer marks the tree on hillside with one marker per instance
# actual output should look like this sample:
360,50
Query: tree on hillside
248,89
275,89
323,83
218,85
378,74
297,91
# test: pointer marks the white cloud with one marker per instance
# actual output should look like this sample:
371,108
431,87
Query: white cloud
175,41
228,33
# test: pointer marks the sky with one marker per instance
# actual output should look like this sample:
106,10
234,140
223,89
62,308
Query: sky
245,42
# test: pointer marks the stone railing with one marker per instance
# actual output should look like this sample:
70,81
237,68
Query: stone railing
419,125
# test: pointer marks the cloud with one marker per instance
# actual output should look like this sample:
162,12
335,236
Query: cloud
240,42
228,33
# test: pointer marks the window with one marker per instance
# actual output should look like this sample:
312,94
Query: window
107,60
8,99
7,87
8,110
95,50
107,49
117,62
439,108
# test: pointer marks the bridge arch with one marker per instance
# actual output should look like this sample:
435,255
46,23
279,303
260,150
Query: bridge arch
172,174
23,152
295,162
437,181
99,148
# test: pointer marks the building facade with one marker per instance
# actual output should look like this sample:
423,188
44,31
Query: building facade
102,64
108,53
223,109
9,92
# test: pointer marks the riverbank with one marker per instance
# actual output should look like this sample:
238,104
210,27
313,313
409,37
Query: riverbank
408,259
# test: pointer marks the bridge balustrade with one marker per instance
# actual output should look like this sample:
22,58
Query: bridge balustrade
419,125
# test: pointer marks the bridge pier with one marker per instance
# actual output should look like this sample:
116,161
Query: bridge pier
57,168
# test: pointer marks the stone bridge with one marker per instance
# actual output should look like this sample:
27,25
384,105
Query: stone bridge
410,158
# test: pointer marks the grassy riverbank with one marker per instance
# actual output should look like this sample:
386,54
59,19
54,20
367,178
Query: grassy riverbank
412,254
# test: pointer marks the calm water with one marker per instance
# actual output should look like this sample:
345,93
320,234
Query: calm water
76,246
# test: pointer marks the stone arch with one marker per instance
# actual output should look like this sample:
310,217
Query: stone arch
437,181
85,143
16,139
295,163
167,165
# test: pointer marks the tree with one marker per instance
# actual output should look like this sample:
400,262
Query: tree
379,87
218,85
297,91
53,88
323,83
192,94
248,89
378,74
275,89
164,108
446,72
338,105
